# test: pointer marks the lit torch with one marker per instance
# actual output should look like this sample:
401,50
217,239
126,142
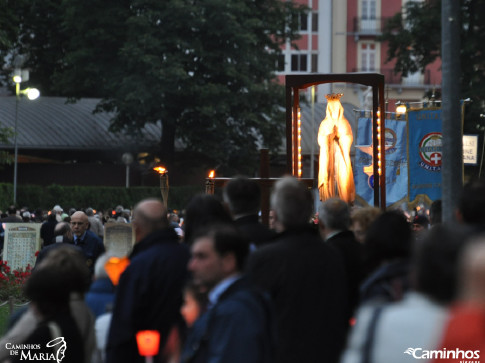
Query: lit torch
209,183
164,186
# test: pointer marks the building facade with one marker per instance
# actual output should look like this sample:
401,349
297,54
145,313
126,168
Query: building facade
342,37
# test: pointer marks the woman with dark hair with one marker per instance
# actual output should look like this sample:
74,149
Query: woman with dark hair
387,248
56,335
384,333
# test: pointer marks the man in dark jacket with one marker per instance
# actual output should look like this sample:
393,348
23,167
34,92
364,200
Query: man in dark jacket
237,327
47,230
149,293
334,222
87,241
243,198
306,279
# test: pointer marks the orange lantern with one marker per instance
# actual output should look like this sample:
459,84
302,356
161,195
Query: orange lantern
148,342
115,267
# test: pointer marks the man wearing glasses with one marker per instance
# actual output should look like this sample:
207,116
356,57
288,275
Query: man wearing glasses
90,244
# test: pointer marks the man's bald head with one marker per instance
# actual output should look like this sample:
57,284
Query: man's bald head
62,228
79,223
149,215
79,215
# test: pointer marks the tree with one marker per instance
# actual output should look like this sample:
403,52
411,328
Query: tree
5,134
414,37
204,68
10,20
9,33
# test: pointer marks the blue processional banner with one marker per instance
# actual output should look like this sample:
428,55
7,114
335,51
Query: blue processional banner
425,146
396,161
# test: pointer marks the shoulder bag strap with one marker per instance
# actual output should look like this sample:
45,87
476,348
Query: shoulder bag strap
370,336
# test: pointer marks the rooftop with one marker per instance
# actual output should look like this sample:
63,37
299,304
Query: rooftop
52,123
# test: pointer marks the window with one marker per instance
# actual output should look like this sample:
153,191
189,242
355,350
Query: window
314,22
368,57
298,62
280,63
303,22
368,9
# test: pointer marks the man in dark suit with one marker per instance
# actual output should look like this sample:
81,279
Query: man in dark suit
305,278
243,198
237,326
334,222
87,241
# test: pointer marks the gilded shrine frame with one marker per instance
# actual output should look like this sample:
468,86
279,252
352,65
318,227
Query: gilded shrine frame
296,82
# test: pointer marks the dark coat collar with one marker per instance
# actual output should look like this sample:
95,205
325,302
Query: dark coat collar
250,218
237,285
167,235
305,229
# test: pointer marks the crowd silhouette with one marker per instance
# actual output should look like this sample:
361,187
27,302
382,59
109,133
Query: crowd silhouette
354,284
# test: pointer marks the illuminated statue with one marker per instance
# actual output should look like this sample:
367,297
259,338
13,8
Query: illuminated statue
335,138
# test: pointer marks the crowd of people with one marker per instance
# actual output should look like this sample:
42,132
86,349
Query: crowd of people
359,285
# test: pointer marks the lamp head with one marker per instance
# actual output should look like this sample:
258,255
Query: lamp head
32,93
401,109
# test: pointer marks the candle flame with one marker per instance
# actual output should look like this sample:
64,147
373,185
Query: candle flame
212,174
160,169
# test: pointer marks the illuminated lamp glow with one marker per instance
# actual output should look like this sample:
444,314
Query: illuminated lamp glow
299,144
148,342
160,170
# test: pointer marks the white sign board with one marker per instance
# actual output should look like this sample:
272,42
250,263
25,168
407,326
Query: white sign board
119,238
22,241
470,149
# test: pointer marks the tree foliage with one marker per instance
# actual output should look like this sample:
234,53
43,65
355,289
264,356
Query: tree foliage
5,134
204,68
414,37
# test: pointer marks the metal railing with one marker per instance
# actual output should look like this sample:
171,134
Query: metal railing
391,77
366,26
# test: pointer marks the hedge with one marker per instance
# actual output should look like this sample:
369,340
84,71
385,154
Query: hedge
102,198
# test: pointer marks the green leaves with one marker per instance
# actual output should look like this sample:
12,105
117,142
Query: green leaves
203,68
414,37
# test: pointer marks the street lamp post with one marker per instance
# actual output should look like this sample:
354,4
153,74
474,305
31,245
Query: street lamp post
127,159
31,93
15,148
